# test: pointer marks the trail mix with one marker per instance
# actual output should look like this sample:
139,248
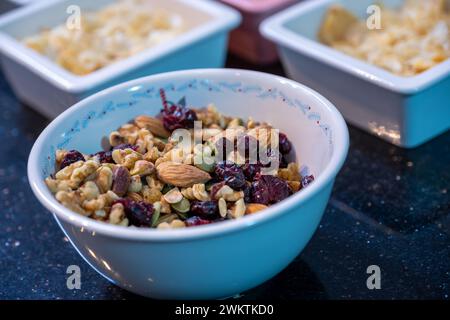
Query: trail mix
411,39
147,178
105,36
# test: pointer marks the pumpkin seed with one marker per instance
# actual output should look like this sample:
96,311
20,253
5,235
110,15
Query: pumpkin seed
183,206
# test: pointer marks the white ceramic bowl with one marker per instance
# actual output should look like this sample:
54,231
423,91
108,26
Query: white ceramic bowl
212,261
50,89
406,111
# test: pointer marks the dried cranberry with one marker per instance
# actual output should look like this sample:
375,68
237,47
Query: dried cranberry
269,189
284,144
195,221
260,192
208,210
177,117
224,146
273,158
248,146
251,171
247,193
71,157
124,146
104,156
231,173
306,180
283,161
139,213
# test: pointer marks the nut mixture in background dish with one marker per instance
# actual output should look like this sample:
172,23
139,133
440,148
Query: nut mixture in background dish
115,32
149,178
412,39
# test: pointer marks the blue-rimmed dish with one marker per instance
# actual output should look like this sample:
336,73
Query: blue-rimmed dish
210,261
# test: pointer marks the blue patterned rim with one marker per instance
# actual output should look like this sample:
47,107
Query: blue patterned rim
191,85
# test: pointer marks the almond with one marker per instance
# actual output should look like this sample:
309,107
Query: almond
154,125
254,207
181,175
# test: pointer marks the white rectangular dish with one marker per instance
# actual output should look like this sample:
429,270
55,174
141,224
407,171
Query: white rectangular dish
50,89
406,111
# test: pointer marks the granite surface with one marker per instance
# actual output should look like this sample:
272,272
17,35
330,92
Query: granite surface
390,207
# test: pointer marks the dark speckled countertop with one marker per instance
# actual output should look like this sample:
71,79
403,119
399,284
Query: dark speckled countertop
390,207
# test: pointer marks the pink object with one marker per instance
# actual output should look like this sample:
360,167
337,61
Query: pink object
246,41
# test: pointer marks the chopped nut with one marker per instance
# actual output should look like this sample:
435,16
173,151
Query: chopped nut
144,141
57,185
152,155
154,183
124,223
110,197
188,193
81,173
229,194
104,179
177,224
115,138
174,224
71,200
263,133
291,173
151,195
143,168
163,225
222,207
254,207
295,185
95,204
199,192
236,122
210,133
117,214
59,155
136,184
89,191
167,147
238,210
126,157
251,123
224,191
173,196
165,206
129,132
66,173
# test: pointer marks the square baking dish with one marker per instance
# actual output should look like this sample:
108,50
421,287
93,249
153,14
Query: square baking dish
50,89
406,111
246,41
